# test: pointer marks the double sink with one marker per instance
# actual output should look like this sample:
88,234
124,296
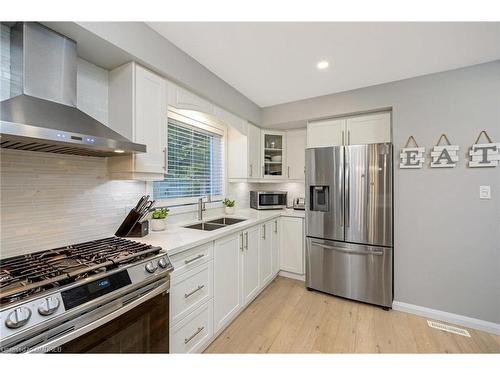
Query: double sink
215,224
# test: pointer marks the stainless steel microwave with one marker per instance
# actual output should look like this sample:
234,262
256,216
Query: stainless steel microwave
268,200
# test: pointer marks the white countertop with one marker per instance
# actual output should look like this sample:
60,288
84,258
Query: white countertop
176,238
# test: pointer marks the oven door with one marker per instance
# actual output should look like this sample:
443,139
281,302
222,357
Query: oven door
144,329
137,322
272,200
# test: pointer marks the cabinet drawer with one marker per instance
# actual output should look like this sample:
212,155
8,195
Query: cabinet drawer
190,290
192,333
192,258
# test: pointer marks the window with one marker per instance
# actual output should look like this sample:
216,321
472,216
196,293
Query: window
195,161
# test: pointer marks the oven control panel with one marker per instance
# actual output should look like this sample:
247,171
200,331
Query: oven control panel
21,317
153,267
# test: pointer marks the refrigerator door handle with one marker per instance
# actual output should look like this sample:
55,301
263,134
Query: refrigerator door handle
347,204
343,250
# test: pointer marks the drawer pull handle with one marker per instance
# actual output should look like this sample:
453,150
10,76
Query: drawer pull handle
187,261
200,287
193,335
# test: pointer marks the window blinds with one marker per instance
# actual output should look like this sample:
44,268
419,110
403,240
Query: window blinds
195,163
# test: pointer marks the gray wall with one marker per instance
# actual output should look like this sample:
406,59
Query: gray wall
109,44
447,241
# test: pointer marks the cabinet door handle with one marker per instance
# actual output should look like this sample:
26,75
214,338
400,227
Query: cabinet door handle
264,231
241,243
348,137
275,226
288,172
246,240
251,170
165,159
187,261
343,138
194,335
187,295
263,171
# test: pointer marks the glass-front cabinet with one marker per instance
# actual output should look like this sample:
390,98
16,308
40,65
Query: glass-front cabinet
273,154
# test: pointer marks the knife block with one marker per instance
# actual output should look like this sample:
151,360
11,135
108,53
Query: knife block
128,224
140,229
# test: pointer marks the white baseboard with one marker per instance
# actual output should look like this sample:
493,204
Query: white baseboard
444,316
292,275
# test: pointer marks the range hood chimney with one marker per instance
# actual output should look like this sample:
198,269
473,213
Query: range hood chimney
41,113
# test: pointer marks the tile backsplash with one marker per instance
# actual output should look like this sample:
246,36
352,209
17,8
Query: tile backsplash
51,200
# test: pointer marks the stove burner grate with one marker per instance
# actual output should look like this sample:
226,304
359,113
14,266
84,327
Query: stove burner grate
28,274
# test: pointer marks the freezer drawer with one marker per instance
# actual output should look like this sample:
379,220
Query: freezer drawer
358,272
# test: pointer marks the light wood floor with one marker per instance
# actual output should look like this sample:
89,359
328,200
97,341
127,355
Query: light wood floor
286,318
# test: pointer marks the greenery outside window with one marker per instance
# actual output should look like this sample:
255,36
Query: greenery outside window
195,162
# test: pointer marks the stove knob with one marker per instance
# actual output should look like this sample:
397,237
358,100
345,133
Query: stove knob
151,267
18,317
163,263
48,306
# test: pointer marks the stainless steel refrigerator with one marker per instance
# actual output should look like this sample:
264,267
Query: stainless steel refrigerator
349,220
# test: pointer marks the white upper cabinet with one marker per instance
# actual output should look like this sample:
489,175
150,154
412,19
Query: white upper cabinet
138,111
273,151
183,99
296,153
366,129
325,133
374,128
237,155
254,158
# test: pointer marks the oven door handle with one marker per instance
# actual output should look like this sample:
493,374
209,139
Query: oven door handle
127,305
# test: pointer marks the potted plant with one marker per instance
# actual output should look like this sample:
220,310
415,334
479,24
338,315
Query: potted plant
228,206
159,219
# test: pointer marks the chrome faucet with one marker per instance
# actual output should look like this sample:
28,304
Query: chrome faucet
201,206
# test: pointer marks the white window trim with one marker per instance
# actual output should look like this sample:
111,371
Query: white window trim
205,122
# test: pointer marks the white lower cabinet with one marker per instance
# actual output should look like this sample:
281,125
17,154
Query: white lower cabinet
275,247
227,279
190,290
194,332
265,253
292,245
212,283
192,258
250,264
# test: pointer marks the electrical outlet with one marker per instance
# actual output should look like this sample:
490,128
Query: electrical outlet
485,192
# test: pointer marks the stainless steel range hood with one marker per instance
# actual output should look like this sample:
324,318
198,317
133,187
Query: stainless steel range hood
41,114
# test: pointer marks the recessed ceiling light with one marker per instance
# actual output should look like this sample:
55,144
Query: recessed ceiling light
323,64
119,151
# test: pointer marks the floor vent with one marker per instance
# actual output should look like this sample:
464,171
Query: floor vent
447,328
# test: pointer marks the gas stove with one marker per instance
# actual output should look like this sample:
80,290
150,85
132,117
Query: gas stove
39,291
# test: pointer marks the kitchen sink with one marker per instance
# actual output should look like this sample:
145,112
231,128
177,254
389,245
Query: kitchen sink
205,226
226,221
215,223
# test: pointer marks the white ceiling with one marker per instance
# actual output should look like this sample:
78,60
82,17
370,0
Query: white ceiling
273,63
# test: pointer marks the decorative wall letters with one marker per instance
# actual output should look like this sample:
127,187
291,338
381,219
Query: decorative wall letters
444,156
484,154
412,157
